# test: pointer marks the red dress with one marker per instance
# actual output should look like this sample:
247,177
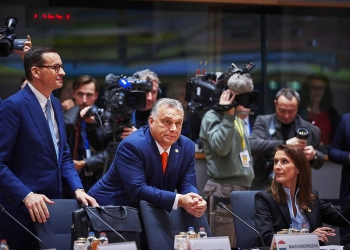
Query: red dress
321,120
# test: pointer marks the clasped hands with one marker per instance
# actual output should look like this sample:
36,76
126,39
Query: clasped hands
193,203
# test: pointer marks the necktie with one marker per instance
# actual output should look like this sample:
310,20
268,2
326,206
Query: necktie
77,137
49,121
164,156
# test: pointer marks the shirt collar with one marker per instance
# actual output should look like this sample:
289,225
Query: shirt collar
161,150
41,98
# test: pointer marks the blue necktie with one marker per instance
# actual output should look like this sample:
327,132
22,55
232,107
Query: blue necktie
49,121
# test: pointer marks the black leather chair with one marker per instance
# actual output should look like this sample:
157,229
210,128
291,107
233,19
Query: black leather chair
161,227
242,203
56,232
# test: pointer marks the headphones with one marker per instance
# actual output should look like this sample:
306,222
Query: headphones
159,94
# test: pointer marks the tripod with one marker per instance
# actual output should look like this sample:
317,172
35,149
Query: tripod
113,145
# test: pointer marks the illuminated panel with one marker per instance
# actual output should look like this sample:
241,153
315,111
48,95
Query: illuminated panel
49,16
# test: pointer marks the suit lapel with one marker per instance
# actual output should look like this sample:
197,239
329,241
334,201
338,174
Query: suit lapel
285,212
39,119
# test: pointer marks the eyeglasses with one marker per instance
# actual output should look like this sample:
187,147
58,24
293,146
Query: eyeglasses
315,88
56,68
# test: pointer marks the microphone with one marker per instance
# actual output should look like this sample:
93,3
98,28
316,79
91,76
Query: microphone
220,204
118,234
2,209
331,206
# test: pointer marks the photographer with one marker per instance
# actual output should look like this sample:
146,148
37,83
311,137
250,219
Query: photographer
280,128
226,146
140,117
87,155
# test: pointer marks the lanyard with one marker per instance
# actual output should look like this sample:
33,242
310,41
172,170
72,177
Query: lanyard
239,127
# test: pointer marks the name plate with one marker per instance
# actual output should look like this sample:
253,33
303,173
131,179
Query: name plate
303,241
130,245
210,243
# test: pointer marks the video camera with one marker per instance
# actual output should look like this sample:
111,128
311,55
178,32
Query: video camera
8,41
122,96
204,90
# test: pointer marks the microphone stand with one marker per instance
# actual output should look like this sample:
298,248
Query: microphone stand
347,246
220,204
2,209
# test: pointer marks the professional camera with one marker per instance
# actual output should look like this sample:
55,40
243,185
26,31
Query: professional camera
8,41
122,96
204,90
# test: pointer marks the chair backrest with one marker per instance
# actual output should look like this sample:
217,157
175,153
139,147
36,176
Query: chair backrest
242,203
161,227
56,232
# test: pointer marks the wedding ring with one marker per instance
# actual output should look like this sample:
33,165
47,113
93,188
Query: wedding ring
319,235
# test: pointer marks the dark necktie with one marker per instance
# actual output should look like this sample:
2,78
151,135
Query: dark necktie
164,156
77,138
49,121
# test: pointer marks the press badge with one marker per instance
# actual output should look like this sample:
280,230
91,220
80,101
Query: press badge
245,158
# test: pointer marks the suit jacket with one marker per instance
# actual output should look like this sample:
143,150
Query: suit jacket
271,217
97,160
339,153
264,140
136,173
28,161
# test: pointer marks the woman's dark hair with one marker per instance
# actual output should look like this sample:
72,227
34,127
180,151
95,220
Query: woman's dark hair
305,196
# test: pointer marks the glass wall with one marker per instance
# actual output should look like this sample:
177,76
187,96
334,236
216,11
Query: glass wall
287,44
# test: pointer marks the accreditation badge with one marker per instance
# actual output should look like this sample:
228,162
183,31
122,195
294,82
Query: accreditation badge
244,155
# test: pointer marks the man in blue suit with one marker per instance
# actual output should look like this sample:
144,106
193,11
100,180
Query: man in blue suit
137,173
339,152
35,162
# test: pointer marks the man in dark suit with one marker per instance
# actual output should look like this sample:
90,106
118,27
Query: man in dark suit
137,173
279,128
34,156
339,152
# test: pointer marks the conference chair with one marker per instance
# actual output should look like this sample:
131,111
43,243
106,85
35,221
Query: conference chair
161,227
56,232
242,203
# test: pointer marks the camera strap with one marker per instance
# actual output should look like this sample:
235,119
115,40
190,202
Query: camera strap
272,127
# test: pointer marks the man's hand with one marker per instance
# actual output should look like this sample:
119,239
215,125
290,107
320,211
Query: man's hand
26,46
36,204
90,119
300,143
193,204
310,152
226,98
127,131
79,164
84,198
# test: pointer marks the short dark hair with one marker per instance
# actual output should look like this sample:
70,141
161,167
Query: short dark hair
85,79
34,57
289,94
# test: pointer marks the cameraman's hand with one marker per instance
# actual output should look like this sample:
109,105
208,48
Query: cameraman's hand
226,98
310,152
90,119
67,104
128,131
26,46
300,143
79,164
